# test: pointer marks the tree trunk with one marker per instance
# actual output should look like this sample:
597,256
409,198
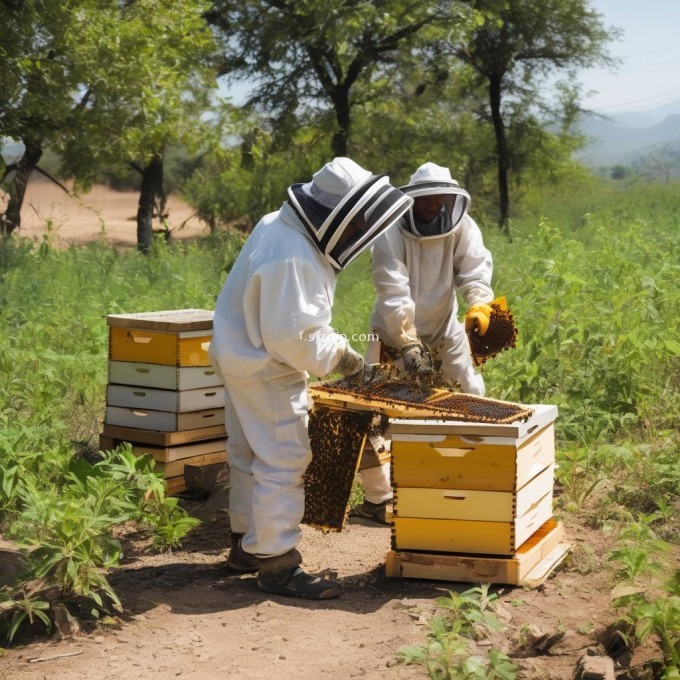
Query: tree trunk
11,220
503,161
152,186
343,118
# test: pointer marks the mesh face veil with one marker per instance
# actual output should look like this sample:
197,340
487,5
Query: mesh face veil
455,201
367,210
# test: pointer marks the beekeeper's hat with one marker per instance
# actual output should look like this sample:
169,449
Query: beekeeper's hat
362,206
431,179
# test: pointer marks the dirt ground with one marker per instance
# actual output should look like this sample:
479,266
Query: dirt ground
101,213
188,616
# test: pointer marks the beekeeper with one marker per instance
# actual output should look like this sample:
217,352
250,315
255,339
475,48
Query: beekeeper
272,328
436,252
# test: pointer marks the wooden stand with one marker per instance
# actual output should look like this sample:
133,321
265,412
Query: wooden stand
530,564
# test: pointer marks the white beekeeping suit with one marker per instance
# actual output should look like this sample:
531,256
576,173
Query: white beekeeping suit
272,327
417,270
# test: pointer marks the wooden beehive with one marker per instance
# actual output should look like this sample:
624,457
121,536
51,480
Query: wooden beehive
472,488
163,396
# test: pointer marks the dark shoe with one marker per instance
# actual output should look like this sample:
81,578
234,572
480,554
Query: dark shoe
381,513
239,559
296,583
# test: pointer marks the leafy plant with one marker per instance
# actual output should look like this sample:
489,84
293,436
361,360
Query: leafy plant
446,653
21,609
648,598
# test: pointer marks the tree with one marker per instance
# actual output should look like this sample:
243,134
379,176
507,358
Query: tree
308,56
156,95
518,44
44,58
105,84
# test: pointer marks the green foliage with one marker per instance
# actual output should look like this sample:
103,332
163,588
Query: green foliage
647,591
446,654
594,307
312,61
59,508
23,609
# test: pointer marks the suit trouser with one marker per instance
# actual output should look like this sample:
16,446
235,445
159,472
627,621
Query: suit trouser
269,451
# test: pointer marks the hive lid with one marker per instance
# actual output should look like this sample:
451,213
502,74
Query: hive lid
542,415
171,320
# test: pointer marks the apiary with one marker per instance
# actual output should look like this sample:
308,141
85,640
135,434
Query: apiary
163,397
472,477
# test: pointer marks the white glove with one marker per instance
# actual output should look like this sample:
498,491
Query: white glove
350,363
472,383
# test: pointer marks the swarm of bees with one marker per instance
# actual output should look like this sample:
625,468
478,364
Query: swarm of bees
500,335
336,439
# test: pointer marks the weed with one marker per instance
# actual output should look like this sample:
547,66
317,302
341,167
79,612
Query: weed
648,598
446,654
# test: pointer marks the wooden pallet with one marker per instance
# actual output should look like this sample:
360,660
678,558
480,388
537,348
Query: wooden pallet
161,438
531,564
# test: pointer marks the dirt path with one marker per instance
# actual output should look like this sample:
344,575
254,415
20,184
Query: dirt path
101,213
188,616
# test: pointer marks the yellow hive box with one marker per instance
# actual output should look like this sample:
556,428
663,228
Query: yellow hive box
186,348
483,506
177,337
165,400
469,536
454,454
162,377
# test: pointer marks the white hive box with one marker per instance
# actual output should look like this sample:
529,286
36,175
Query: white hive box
161,376
163,396
179,401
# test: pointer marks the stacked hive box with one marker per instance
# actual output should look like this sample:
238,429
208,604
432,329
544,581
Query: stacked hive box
473,501
163,396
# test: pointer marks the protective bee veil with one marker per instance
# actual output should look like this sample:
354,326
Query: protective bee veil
345,208
434,180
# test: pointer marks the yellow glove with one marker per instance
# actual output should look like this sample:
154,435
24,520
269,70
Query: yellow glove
477,317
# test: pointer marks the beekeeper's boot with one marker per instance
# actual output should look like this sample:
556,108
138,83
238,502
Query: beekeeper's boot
380,513
239,559
282,575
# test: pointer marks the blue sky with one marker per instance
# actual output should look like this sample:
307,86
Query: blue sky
649,49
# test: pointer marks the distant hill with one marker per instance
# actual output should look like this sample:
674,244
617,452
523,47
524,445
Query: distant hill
628,138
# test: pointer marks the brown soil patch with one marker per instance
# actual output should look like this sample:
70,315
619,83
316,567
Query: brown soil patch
48,212
188,615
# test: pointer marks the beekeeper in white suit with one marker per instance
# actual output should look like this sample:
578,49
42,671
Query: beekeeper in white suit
271,329
418,267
